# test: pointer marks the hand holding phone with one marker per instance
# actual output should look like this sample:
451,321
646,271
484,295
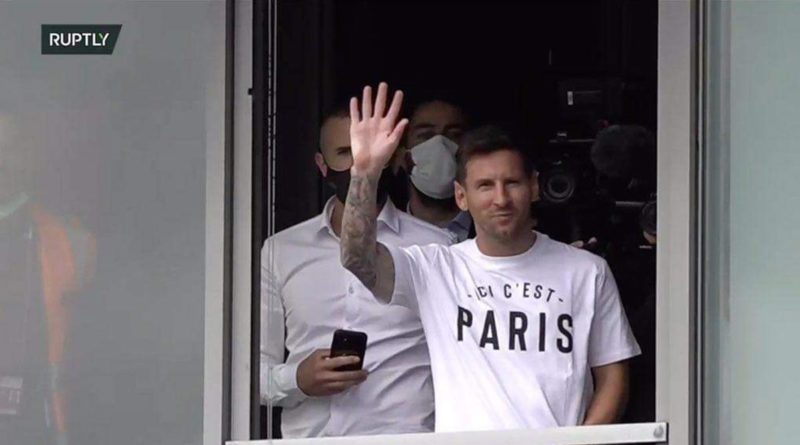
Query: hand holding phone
349,343
318,374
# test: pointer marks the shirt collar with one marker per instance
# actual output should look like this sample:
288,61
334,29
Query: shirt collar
462,220
388,216
325,216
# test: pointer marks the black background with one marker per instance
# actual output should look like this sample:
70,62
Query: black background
501,60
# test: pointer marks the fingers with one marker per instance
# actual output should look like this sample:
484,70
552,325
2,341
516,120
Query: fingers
337,362
367,110
344,376
366,102
354,116
394,109
397,133
332,381
336,382
322,353
337,387
580,244
380,101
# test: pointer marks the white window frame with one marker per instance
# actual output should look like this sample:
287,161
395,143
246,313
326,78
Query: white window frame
241,306
655,432
676,257
676,283
217,298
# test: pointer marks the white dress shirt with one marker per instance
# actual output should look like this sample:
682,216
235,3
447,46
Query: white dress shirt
306,294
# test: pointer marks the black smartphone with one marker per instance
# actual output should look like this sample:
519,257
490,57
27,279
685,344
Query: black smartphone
349,343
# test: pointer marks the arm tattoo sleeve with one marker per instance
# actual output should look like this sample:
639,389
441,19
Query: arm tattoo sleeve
361,253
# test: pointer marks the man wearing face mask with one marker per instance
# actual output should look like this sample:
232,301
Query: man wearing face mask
434,129
432,167
306,295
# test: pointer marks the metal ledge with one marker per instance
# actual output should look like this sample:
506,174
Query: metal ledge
655,432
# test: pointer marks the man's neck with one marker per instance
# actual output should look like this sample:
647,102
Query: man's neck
436,216
336,217
498,248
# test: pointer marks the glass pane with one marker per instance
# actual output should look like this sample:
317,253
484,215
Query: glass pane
579,99
750,272
102,224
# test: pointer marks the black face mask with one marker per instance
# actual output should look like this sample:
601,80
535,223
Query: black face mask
340,182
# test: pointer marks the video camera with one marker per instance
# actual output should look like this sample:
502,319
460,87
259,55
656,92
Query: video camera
602,187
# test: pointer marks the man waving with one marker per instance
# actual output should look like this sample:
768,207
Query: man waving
517,324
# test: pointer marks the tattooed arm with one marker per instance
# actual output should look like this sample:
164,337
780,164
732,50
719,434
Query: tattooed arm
362,255
373,138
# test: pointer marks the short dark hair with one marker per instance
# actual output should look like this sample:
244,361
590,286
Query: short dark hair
483,141
424,101
421,95
337,110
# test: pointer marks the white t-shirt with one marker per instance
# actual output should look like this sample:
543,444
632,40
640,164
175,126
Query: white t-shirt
513,339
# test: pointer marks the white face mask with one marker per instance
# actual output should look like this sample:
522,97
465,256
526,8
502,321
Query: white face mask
434,167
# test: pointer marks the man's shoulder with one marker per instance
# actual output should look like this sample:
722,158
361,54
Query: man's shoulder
415,231
299,233
571,256
435,255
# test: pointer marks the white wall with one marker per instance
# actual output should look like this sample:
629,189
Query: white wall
120,142
756,309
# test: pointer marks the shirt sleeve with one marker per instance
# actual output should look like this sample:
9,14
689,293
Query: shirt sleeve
277,379
611,339
407,283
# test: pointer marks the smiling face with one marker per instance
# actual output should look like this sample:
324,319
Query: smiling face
497,192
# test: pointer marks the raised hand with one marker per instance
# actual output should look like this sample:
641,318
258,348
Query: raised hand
373,135
373,139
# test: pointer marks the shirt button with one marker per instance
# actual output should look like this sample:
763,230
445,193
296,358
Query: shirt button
350,289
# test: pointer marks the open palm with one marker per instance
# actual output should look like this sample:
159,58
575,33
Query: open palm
373,135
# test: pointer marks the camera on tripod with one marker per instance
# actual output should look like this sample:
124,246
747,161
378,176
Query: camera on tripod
604,187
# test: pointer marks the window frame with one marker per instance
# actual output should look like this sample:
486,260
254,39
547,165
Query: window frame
677,367
218,223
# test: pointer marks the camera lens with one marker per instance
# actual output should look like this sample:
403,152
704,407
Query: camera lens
647,218
559,186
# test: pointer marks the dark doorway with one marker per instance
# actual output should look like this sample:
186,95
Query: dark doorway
553,73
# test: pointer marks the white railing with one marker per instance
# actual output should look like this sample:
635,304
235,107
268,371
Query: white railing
655,432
